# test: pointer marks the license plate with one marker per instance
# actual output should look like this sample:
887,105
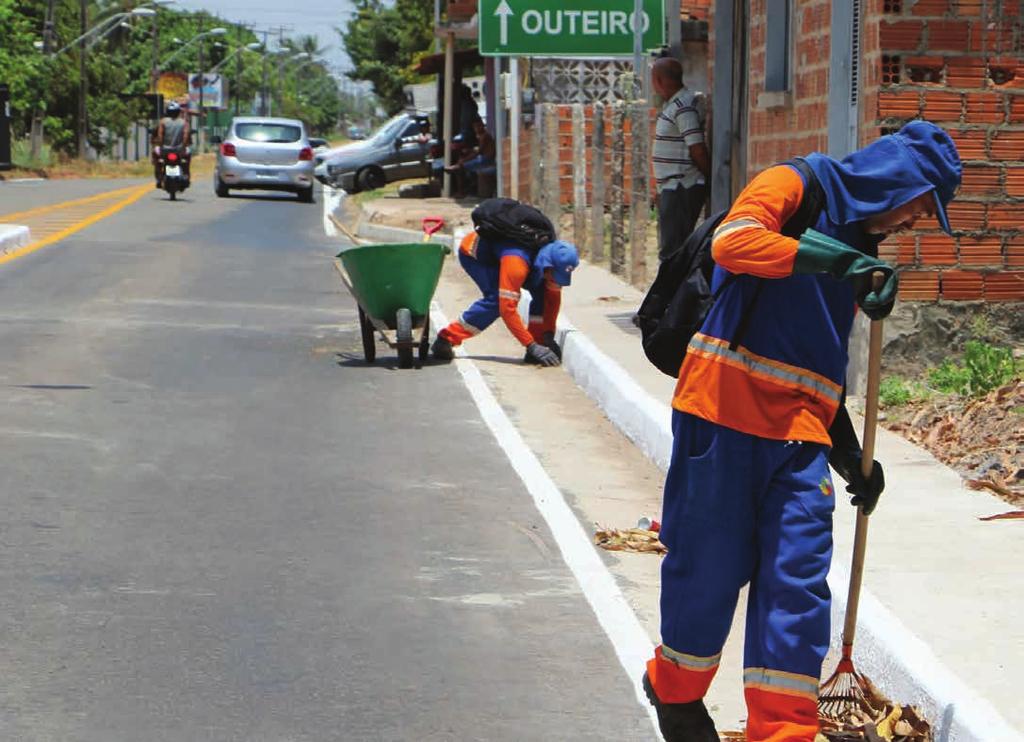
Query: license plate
173,171
268,173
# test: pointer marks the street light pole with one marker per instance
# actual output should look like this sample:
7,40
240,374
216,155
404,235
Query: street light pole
156,64
238,70
83,18
37,113
263,86
202,84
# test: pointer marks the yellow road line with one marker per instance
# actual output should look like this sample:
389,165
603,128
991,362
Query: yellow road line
137,192
65,204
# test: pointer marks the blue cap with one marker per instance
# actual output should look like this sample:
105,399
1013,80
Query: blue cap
561,257
935,154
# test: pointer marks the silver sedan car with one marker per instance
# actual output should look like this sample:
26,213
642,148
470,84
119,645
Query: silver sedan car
267,154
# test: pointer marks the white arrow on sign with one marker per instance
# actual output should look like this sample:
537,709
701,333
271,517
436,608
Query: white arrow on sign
504,12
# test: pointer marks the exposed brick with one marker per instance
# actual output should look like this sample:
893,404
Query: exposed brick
992,37
985,108
930,7
1004,286
899,250
967,8
1015,251
904,104
937,249
1008,145
966,72
1005,216
948,35
919,285
942,106
1006,73
980,179
966,216
962,285
970,143
1017,109
901,36
982,251
1015,182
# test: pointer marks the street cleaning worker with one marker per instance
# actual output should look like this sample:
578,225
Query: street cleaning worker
758,418
501,270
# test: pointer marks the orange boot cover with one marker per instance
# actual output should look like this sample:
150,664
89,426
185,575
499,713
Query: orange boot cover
681,678
781,706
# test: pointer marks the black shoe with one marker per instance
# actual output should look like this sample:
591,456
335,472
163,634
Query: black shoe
682,722
443,350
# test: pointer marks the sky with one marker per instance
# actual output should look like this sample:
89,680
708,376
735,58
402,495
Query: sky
305,17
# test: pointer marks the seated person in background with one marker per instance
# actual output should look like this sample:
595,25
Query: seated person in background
475,160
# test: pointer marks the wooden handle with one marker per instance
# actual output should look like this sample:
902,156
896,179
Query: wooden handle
860,536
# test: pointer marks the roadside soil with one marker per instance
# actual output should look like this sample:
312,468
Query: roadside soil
982,439
202,165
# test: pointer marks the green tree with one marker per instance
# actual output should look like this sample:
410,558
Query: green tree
385,43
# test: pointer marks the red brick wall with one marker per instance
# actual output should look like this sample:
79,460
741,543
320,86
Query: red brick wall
801,126
695,9
566,168
959,63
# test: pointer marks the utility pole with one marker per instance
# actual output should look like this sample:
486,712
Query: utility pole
83,129
263,87
238,69
156,63
37,114
202,84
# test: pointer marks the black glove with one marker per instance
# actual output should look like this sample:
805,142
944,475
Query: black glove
845,457
549,341
541,355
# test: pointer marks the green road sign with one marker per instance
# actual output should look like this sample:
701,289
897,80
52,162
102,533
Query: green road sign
571,28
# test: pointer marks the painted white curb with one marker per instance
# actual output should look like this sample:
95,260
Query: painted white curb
13,236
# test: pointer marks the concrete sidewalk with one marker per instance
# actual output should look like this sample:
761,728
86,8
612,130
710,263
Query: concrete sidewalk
939,619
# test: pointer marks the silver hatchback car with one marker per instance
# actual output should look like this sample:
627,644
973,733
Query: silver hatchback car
267,154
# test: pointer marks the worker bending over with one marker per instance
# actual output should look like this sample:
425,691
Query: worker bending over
758,416
502,269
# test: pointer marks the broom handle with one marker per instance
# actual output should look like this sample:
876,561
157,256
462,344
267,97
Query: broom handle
860,537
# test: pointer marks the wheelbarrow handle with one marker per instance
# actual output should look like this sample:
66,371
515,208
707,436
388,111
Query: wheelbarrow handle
432,224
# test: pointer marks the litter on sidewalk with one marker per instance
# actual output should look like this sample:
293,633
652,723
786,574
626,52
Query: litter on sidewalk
631,539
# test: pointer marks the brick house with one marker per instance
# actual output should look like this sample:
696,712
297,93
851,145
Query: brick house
793,76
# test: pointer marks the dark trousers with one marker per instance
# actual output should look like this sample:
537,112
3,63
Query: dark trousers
678,213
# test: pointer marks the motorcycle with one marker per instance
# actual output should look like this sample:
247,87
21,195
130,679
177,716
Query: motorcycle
174,163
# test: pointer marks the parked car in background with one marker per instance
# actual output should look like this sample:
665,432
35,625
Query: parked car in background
399,150
319,145
267,154
356,132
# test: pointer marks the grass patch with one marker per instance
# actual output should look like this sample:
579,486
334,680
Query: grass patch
984,367
895,391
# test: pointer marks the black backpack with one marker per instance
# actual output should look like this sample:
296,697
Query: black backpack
681,297
508,220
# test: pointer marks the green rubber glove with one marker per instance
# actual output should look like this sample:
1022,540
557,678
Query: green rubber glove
817,253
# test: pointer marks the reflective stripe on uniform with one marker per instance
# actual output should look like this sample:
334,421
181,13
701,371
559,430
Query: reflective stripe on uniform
735,225
468,327
794,376
690,661
506,294
777,681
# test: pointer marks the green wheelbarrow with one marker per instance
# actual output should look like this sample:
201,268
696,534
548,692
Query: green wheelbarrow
393,284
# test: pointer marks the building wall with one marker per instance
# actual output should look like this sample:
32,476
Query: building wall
959,63
798,124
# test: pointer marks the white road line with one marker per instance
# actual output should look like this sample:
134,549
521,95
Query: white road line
620,624
331,200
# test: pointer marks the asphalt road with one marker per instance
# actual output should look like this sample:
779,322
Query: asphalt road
219,524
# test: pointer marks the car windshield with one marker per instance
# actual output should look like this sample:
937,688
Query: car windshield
390,129
270,133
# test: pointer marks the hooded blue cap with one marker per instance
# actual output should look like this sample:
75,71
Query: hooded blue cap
561,257
889,172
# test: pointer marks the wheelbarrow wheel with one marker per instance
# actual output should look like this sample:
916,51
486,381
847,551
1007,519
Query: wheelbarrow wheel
425,341
369,341
403,327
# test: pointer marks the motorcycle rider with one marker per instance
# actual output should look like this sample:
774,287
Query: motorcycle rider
173,132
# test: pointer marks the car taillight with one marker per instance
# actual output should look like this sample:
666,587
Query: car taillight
172,156
306,153
228,149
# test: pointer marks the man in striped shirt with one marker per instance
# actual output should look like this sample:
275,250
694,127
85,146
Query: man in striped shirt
681,161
